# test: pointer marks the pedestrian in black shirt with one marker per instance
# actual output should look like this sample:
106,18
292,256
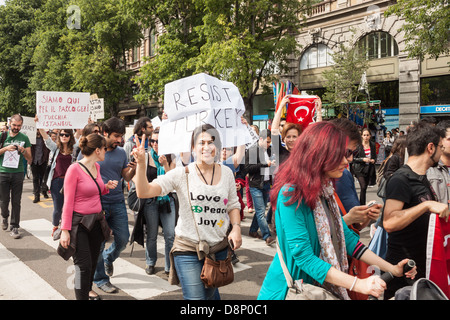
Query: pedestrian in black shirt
410,200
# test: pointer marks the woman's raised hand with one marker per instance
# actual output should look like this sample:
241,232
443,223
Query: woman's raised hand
139,152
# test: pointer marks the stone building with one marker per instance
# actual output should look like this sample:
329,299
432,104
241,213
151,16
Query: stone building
408,89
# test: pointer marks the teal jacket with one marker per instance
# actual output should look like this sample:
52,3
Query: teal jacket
299,243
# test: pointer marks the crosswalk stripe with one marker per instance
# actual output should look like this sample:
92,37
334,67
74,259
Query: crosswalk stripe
26,284
128,277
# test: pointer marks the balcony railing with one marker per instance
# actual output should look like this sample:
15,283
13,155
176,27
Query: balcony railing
321,7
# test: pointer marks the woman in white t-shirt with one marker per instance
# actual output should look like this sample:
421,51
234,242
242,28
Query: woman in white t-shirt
209,210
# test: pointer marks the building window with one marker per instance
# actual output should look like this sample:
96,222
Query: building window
316,56
434,90
152,43
135,54
378,45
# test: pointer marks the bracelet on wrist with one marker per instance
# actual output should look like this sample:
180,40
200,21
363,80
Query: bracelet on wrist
353,285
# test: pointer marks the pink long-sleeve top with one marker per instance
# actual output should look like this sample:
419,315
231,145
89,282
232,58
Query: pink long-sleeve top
80,194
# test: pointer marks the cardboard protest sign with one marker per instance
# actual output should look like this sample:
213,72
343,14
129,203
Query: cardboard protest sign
301,109
62,110
29,128
96,109
197,100
198,93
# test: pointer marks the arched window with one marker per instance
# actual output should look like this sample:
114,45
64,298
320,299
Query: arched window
379,45
316,56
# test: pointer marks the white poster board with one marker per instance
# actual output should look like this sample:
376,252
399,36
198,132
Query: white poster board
97,109
156,122
29,128
62,110
200,92
201,99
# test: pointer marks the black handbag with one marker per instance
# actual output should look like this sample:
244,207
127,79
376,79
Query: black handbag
381,192
135,203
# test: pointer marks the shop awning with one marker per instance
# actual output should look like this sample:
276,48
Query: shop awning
128,112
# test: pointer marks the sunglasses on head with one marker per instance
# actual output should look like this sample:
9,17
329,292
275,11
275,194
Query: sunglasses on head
67,135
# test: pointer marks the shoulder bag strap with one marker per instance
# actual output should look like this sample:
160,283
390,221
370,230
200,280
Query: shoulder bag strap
99,191
344,212
287,275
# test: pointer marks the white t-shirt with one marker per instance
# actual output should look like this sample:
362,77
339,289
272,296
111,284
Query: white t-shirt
210,204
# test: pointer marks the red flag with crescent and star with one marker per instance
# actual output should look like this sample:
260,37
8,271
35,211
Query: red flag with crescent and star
301,109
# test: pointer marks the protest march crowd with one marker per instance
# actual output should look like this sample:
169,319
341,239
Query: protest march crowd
296,178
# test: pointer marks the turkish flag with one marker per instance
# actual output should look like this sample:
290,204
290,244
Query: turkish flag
301,109
438,253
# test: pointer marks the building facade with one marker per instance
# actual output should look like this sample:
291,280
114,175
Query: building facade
129,108
408,88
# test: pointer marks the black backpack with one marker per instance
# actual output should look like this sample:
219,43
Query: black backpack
422,289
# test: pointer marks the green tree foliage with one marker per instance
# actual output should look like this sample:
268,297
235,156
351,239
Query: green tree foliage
16,25
244,42
64,45
343,79
426,28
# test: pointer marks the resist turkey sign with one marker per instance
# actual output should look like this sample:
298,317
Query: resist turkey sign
197,100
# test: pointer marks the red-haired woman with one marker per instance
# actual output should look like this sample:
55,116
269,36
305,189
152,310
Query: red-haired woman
312,237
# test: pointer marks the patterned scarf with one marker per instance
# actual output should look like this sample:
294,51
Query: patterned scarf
327,252
160,171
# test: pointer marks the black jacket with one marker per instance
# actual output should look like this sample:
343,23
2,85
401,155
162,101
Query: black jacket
254,161
358,165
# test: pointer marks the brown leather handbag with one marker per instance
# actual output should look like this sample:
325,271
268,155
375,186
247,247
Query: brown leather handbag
215,273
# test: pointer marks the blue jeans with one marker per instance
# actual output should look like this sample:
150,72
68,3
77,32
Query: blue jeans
189,269
58,199
117,218
260,198
152,218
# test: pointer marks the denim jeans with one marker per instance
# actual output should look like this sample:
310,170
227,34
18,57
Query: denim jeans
117,218
189,269
260,198
58,199
152,218
11,186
